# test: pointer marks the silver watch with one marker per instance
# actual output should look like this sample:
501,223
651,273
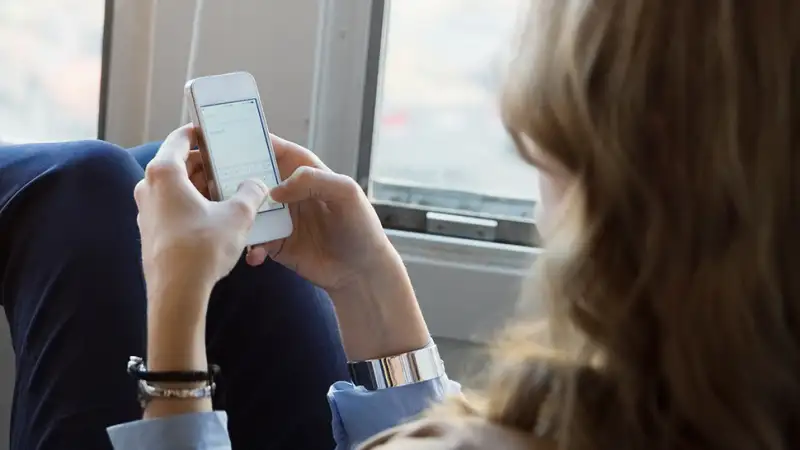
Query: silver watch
407,368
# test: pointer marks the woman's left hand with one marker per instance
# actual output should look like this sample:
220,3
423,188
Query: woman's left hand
189,242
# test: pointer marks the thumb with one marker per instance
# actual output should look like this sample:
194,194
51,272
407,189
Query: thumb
244,204
311,182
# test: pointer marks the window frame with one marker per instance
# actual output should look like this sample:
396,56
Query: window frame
466,287
105,67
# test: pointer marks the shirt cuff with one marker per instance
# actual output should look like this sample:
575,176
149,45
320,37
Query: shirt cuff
206,430
359,414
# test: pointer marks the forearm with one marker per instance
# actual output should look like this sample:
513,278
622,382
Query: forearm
379,315
175,342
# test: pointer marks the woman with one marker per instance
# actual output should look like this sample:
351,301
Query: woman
665,135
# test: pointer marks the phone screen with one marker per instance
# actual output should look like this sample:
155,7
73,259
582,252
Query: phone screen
237,144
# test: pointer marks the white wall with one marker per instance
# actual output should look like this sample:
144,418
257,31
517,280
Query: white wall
143,107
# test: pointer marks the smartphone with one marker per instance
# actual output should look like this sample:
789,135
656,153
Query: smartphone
233,138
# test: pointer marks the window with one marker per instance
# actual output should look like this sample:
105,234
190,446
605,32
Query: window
51,58
432,141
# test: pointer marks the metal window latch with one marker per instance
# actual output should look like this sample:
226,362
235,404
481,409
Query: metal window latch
461,226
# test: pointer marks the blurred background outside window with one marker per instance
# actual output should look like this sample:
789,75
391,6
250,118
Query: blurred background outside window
438,139
50,69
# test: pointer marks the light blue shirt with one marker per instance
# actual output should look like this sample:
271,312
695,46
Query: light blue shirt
357,415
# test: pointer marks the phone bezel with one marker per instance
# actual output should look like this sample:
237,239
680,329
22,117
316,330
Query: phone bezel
238,86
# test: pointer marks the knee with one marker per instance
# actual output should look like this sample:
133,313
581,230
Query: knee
82,190
98,165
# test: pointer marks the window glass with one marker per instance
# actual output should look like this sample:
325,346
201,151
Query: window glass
51,60
438,137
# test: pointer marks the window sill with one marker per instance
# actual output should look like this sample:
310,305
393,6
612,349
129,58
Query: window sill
467,289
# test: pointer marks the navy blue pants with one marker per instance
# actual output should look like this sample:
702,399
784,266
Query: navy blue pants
72,289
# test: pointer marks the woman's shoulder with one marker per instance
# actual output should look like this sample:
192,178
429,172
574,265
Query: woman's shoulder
455,433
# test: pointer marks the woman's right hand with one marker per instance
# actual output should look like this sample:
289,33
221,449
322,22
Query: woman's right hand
338,243
337,235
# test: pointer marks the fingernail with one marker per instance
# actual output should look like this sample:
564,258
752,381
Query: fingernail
276,188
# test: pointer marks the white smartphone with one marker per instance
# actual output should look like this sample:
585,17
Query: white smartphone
234,140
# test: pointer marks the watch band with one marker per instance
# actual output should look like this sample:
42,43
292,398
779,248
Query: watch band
408,368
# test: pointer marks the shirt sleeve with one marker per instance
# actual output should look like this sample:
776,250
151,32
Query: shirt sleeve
206,431
359,414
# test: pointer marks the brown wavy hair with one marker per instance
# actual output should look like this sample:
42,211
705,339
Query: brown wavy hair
674,283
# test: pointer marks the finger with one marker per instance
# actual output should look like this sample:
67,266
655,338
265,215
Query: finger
266,250
244,204
165,170
256,256
200,183
194,162
138,193
171,160
289,153
313,183
281,146
177,145
197,174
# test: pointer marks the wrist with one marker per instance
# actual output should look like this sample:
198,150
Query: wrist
176,326
170,351
172,295
378,312
386,265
